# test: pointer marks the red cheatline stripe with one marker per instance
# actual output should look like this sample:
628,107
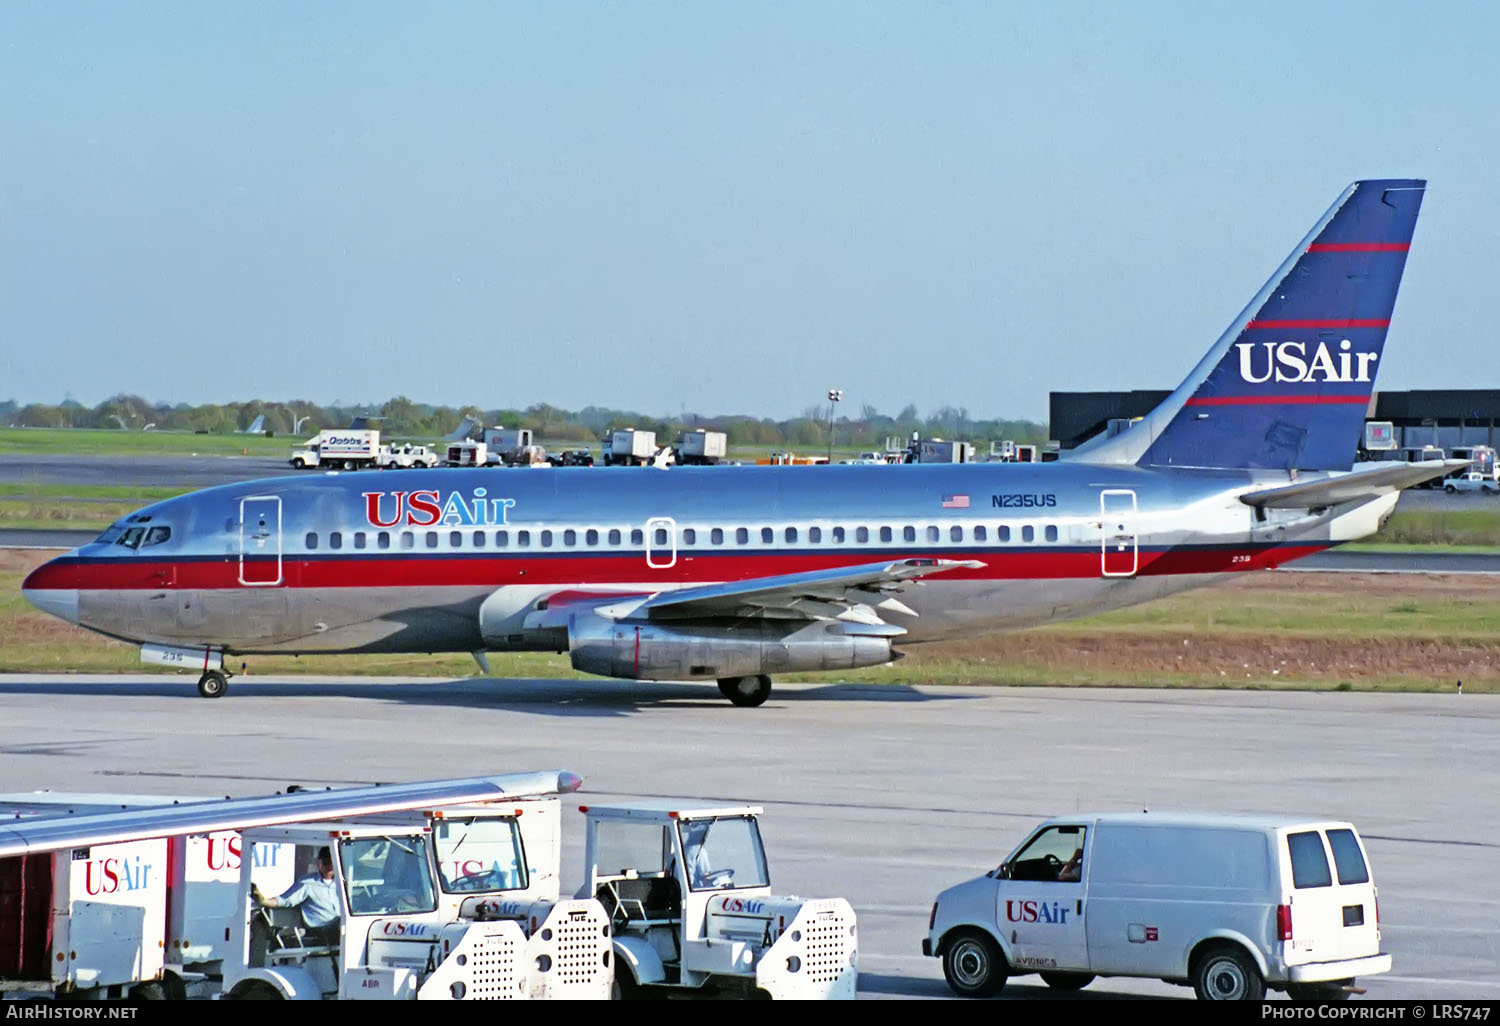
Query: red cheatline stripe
1276,400
1359,248
1336,323
494,570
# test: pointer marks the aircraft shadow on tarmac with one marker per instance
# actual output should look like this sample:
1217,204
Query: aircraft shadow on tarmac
558,697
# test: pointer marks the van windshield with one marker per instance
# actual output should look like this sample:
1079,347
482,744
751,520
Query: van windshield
1055,854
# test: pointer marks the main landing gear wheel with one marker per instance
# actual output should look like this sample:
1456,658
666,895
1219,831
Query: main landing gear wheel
746,691
213,684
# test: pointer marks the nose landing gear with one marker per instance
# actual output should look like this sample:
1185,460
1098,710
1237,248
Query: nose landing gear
213,684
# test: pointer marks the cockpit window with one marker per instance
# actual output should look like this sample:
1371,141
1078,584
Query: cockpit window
157,535
131,539
111,535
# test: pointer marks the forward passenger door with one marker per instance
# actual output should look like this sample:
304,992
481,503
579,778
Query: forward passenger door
260,540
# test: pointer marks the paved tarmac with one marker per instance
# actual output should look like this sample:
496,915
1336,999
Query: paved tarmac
884,795
204,471
183,472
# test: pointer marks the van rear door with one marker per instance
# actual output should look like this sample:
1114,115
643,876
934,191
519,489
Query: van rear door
1332,895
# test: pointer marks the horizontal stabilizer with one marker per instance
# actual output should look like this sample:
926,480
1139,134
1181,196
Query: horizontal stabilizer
1380,479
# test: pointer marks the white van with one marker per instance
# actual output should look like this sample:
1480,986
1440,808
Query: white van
1230,905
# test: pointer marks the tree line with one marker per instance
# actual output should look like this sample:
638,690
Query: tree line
402,418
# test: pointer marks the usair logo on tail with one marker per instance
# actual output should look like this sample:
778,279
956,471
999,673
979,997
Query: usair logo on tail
1287,361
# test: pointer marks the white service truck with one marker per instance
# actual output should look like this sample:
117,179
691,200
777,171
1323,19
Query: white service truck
628,447
701,448
688,895
935,450
398,934
348,449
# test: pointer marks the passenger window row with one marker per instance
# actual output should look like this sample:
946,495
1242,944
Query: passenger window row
689,537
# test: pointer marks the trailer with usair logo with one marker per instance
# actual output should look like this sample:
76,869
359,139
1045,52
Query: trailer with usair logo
136,915
81,922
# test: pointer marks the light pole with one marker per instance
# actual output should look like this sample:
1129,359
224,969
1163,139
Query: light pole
835,395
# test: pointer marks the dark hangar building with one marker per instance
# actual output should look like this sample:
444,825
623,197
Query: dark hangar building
1443,417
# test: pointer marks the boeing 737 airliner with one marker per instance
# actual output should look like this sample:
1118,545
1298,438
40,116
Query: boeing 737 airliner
732,574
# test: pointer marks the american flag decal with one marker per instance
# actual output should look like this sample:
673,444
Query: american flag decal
955,502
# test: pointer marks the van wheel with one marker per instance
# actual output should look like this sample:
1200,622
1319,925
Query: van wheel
974,966
1449,489
1336,990
255,990
299,463
151,990
1067,981
1228,974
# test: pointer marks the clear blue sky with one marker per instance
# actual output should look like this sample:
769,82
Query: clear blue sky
711,206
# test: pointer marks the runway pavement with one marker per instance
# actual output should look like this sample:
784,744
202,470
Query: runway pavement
883,795
186,472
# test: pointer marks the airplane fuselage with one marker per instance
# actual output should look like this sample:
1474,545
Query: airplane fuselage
456,559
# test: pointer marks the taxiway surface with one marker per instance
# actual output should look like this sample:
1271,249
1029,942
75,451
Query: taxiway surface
884,795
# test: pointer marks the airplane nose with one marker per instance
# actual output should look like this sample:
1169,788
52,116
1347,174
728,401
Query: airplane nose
52,589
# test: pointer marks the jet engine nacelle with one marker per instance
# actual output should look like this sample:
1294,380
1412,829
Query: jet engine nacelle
644,650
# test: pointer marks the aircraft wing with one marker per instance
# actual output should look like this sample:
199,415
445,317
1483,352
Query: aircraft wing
849,593
1380,479
54,832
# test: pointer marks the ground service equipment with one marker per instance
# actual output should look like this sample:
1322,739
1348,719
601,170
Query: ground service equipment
395,938
404,457
689,898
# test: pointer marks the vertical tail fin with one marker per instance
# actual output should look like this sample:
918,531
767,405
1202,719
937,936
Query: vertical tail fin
1288,384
